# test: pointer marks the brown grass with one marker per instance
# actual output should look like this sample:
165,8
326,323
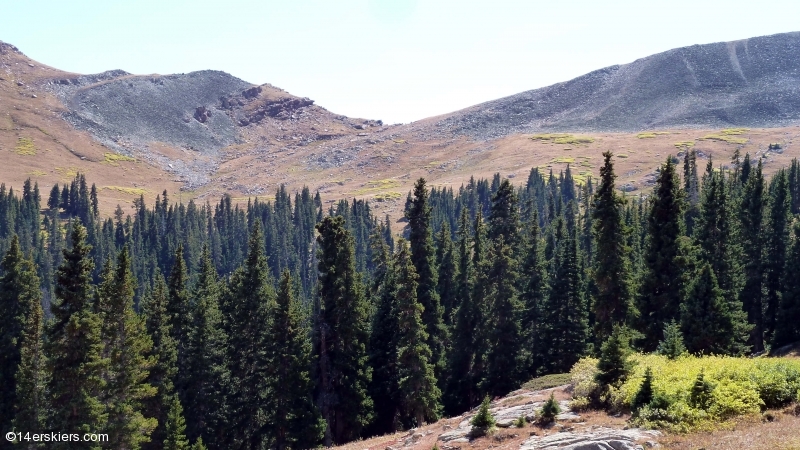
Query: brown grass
402,153
746,433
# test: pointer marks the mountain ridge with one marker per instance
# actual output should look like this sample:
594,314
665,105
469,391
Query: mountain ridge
208,133
709,85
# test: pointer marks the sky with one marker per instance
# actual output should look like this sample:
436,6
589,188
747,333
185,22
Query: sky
394,60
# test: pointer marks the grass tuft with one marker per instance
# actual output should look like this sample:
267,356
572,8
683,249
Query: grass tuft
728,135
388,196
562,138
126,190
113,159
651,134
548,381
25,147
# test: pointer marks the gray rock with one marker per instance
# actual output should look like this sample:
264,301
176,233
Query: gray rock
598,439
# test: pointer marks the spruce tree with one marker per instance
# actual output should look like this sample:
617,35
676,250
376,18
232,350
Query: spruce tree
179,311
480,307
207,377
341,334
126,346
533,279
565,329
504,219
691,189
19,292
294,420
660,292
251,298
645,394
776,242
787,328
175,427
751,213
483,422
165,355
423,256
448,273
612,303
613,366
31,401
708,322
716,235
383,388
503,357
419,394
459,393
74,348
672,346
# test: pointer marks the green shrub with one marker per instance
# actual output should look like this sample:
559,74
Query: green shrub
483,423
549,410
520,422
691,393
579,404
583,377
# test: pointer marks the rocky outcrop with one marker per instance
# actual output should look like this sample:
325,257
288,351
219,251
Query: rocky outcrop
154,108
201,114
281,109
596,439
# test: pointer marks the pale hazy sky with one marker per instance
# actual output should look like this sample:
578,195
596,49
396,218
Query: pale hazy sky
396,60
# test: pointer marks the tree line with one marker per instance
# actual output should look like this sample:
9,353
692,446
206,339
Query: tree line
283,325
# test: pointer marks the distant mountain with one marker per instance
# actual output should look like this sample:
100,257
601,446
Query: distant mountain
204,134
752,83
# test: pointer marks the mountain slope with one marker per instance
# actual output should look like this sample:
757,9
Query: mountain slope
751,83
208,133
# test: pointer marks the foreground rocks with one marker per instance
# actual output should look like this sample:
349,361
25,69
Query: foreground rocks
600,438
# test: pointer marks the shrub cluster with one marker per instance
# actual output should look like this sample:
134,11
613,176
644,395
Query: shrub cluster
690,392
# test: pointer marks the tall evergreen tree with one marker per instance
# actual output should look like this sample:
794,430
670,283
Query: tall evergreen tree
20,285
459,393
708,322
19,291
341,334
419,395
126,346
74,348
448,273
504,219
294,420
503,357
787,328
165,355
691,189
660,292
179,310
612,304
251,299
716,234
566,325
383,387
423,256
533,280
207,378
776,242
751,214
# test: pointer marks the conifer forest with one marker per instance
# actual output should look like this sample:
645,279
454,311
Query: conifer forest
285,324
